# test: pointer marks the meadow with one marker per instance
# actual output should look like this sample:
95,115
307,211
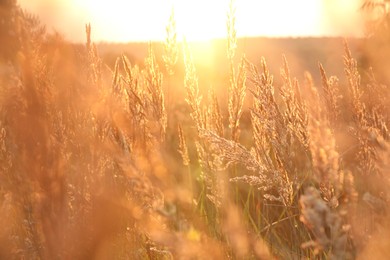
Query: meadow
178,154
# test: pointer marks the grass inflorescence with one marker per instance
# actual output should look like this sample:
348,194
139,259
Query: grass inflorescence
110,163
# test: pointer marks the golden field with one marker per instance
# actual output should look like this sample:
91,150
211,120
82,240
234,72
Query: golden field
175,150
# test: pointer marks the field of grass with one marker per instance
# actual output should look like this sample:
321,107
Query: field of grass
169,157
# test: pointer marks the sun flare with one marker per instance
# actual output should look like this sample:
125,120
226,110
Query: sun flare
201,20
146,20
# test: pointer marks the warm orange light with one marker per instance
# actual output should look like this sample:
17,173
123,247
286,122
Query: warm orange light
199,20
146,20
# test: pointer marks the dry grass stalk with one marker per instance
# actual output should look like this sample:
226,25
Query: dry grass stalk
296,117
353,77
273,140
191,85
199,116
377,96
115,79
325,159
237,86
270,133
237,92
315,104
226,152
331,94
113,109
324,156
267,119
136,103
210,174
154,80
33,154
94,62
171,50
214,117
368,123
183,149
330,233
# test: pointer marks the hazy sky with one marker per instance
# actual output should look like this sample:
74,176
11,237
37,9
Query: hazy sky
143,20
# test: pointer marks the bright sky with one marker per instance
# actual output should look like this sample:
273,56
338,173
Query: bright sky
145,20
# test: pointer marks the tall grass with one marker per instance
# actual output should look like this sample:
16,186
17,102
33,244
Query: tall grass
95,162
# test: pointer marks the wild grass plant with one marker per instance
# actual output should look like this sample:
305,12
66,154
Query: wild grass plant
94,164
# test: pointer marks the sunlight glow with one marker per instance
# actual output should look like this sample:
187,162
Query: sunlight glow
136,20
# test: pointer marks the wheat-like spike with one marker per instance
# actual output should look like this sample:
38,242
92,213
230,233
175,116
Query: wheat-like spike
325,158
237,86
315,105
366,152
230,152
127,66
136,95
267,120
227,153
191,85
154,80
378,95
331,94
183,149
171,50
353,77
94,62
214,116
237,92
296,116
116,84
